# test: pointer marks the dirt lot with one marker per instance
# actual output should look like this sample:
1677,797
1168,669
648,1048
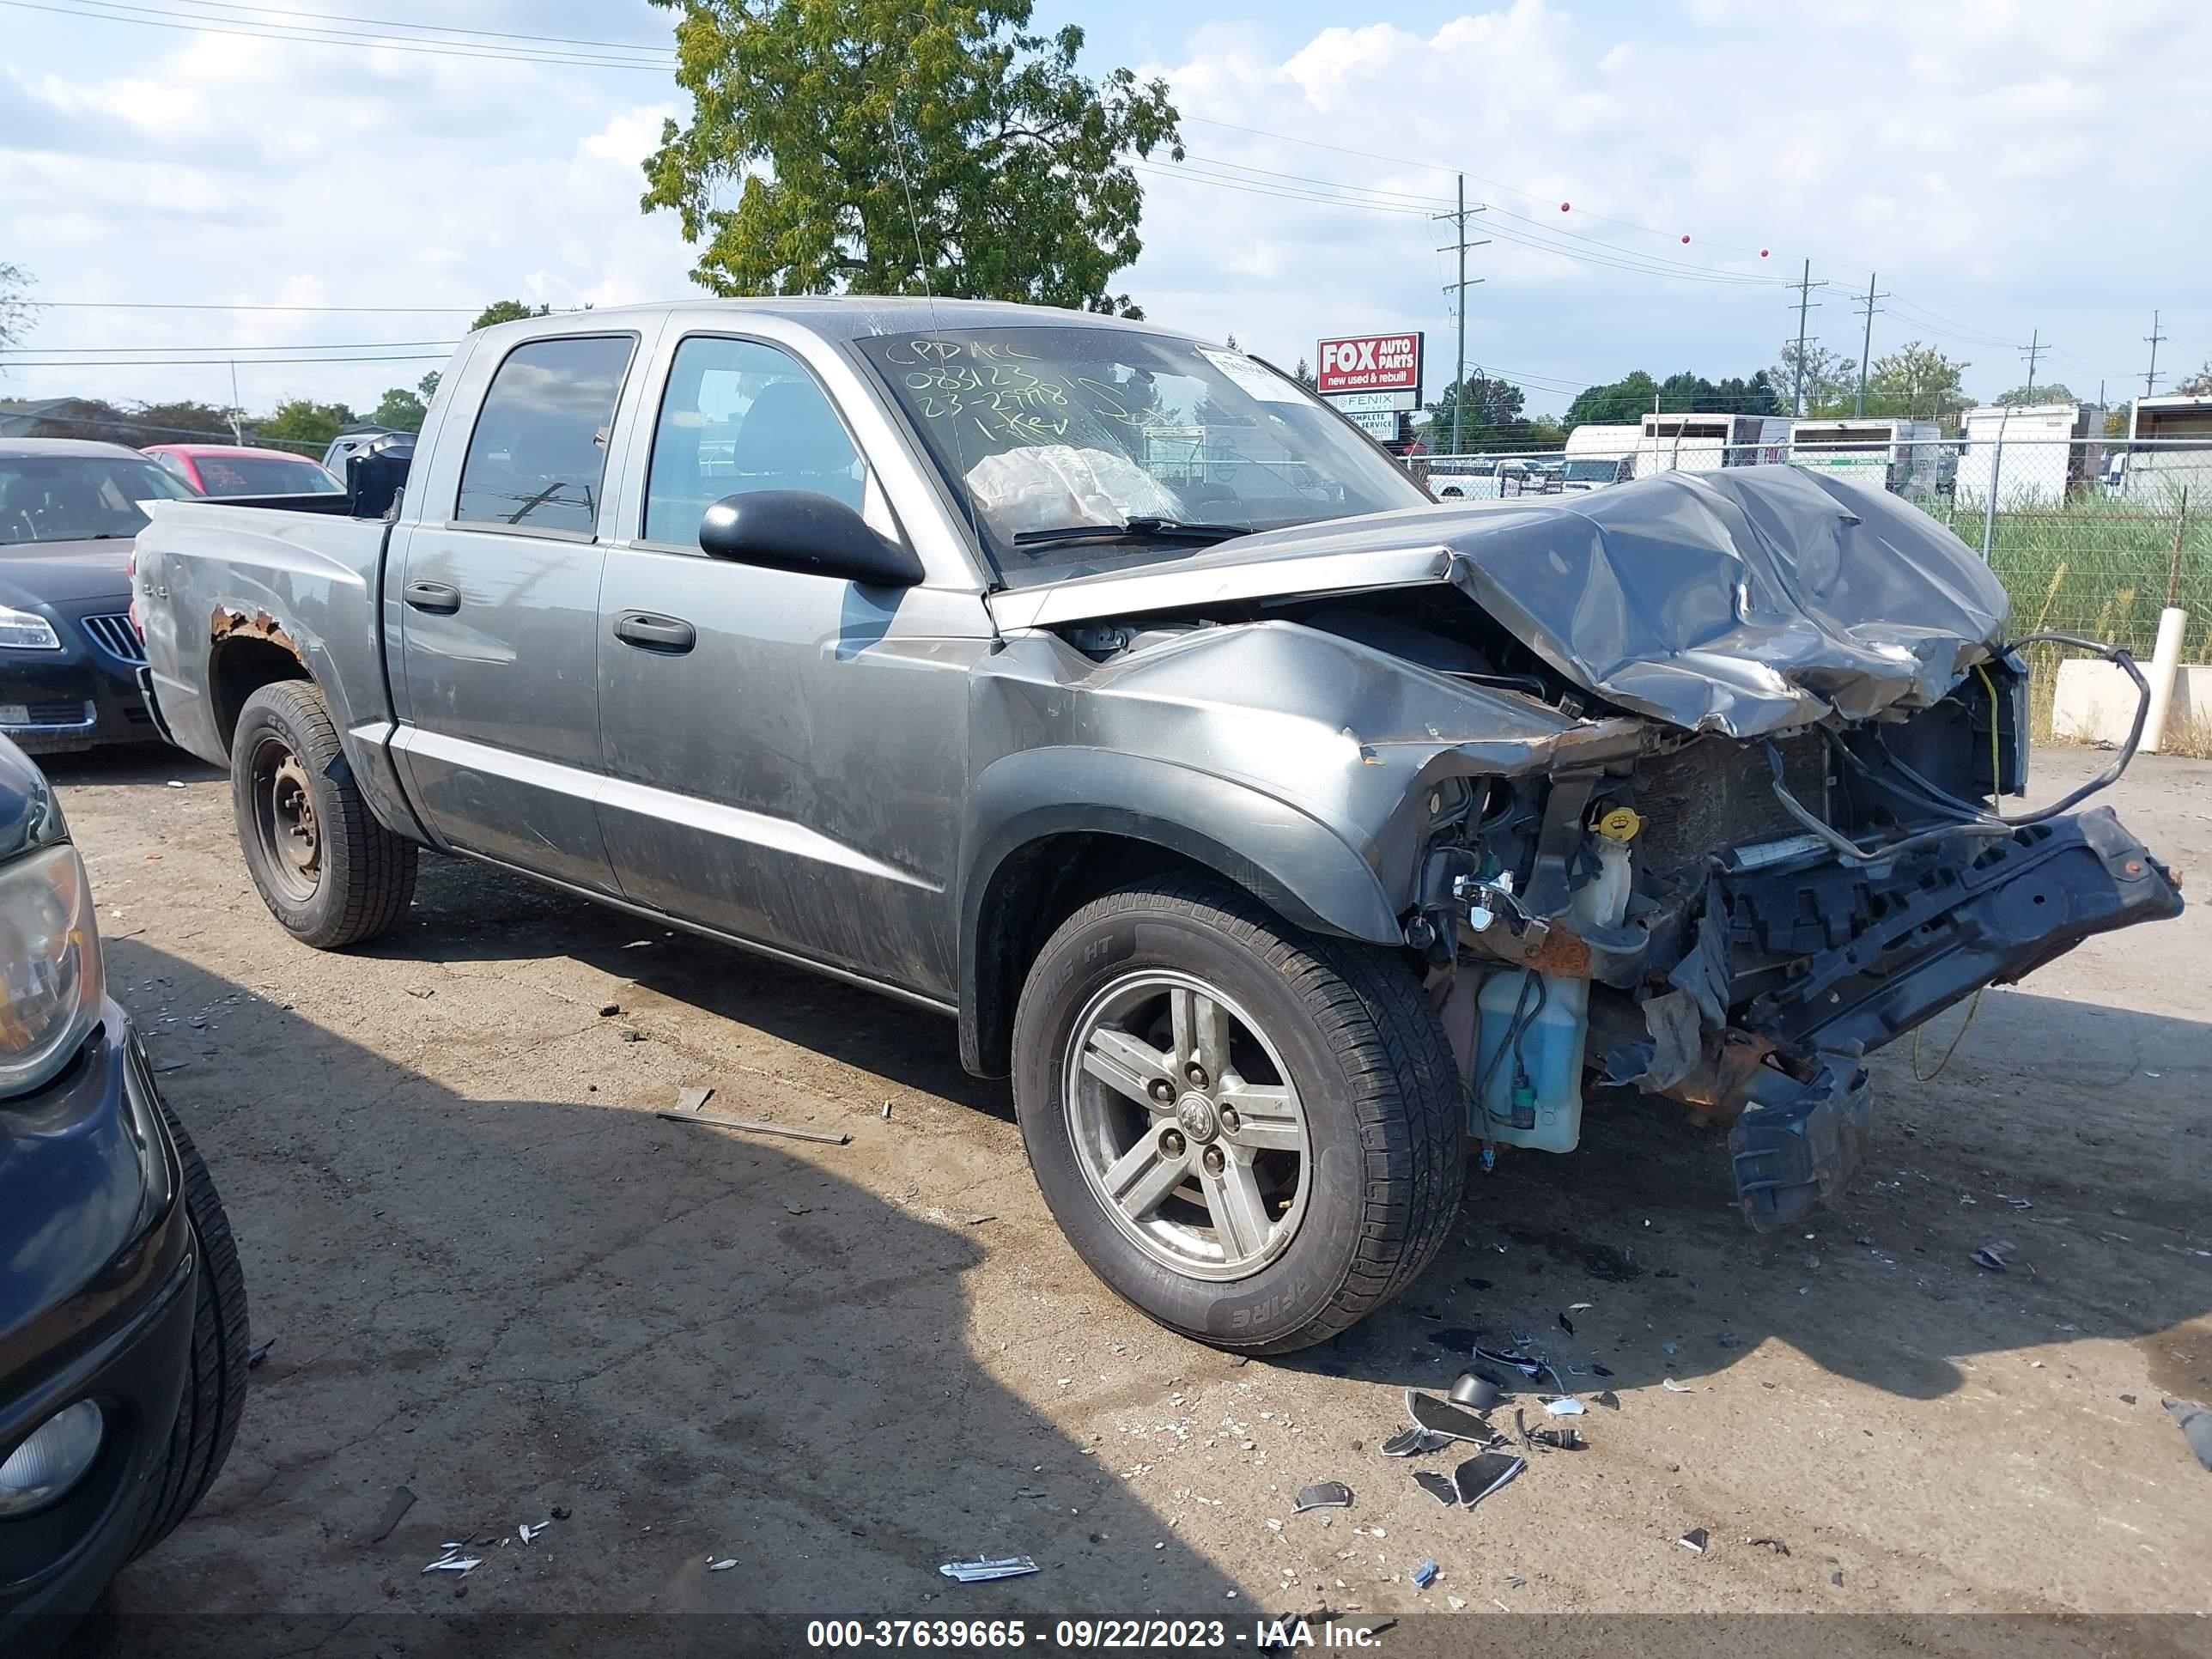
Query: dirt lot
490,1274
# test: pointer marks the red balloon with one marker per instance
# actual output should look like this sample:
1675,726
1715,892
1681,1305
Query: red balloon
1686,240
1762,254
1563,206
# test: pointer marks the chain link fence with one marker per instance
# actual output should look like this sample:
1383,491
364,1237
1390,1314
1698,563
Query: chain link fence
2089,535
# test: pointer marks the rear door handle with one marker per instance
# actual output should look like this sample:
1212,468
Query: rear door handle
441,598
670,636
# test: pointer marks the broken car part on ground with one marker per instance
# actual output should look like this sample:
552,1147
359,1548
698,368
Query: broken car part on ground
1247,807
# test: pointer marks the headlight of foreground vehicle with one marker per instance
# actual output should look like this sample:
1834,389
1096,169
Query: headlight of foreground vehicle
26,630
48,966
44,1467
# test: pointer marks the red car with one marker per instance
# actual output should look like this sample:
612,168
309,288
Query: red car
236,470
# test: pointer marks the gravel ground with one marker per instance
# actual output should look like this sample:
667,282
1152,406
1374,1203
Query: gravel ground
490,1274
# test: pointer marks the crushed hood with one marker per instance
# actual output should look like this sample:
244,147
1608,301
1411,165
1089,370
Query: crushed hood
1743,601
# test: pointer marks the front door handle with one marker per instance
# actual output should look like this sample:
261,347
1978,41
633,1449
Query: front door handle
441,599
670,636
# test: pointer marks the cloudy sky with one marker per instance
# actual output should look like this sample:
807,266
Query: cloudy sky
2004,165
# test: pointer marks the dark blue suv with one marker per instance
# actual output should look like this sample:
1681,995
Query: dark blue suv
123,1326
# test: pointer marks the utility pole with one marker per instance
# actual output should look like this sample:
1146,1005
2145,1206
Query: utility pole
237,433
1866,345
1804,286
2151,376
2034,349
1458,290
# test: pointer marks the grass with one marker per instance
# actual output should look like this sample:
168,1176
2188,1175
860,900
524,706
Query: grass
2100,568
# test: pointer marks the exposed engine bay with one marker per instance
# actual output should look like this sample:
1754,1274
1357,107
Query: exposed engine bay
1766,842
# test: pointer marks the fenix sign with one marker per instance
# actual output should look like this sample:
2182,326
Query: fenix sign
1369,362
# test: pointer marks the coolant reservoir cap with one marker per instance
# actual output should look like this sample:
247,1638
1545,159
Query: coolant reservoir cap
1620,824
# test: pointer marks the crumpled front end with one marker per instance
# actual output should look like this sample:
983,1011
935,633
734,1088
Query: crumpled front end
1698,913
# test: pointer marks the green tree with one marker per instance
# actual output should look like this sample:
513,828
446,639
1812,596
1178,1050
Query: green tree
2115,423
1304,375
1917,382
300,423
892,145
507,311
179,424
2198,384
1831,381
401,409
1491,415
1623,402
2021,396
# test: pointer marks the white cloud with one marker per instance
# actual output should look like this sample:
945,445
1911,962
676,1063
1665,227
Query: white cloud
1981,161
2005,172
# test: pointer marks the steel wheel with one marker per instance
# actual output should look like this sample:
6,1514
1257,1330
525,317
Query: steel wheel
284,819
1187,1125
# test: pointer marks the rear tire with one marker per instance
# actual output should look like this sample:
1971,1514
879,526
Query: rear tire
327,869
215,1383
1289,1220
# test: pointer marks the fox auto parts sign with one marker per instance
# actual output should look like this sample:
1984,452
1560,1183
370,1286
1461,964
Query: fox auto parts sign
1369,362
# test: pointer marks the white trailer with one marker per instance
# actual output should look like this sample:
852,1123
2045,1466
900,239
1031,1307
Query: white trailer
2032,455
1704,443
1598,455
2169,449
1882,455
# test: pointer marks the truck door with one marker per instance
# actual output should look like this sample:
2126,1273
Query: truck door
499,608
785,752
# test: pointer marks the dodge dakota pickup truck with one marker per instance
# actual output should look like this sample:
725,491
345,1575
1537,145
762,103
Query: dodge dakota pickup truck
1283,834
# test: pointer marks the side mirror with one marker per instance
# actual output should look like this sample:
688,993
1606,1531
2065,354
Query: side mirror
812,534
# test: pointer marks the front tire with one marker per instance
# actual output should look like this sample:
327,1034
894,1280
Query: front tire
1253,1135
327,869
215,1385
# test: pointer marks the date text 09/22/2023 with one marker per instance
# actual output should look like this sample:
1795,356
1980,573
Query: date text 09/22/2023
1262,1635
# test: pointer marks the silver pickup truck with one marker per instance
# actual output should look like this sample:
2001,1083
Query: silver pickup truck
1286,836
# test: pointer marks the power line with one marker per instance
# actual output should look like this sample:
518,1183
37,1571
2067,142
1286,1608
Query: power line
183,305
432,29
238,351
2034,350
116,12
217,362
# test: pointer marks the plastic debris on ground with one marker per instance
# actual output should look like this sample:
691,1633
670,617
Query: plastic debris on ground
722,1565
1475,1391
1695,1541
1441,1417
1991,1257
453,1561
1774,1544
1527,1365
1484,1473
1673,1387
977,1572
528,1531
255,1360
2195,1425
1441,1488
1323,1495
1426,1575
1414,1442
1565,1406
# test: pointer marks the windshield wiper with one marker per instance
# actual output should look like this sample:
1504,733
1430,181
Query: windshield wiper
1136,529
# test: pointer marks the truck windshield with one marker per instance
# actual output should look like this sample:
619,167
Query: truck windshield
79,498
1154,445
1591,471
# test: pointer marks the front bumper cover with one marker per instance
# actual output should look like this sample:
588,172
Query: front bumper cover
1793,974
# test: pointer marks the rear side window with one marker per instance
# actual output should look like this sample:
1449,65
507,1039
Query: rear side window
538,455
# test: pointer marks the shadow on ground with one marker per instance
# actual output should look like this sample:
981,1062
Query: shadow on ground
1639,1221
694,1348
